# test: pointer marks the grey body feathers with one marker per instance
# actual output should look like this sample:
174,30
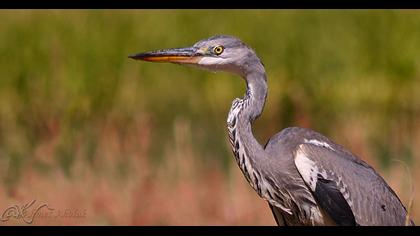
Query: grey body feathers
373,202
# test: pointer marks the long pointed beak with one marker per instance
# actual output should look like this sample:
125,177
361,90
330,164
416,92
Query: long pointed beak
175,55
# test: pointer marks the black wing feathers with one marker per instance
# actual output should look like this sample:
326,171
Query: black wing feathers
332,201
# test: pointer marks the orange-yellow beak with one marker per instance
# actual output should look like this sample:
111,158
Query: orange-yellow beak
175,55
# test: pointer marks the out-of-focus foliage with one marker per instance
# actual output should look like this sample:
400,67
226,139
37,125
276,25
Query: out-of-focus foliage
66,85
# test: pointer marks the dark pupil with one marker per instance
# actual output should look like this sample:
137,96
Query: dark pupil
218,50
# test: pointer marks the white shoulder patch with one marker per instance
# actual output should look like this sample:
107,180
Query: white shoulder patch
318,143
307,168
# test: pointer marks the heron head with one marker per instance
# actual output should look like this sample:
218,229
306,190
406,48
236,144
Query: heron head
218,53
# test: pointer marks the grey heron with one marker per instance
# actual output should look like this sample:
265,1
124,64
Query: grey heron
306,178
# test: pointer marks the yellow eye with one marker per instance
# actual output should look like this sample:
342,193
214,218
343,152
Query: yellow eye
218,50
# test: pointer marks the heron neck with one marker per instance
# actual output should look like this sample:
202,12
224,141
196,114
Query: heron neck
256,94
253,105
248,151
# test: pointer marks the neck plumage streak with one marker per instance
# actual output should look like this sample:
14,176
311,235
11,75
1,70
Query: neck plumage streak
241,156
253,177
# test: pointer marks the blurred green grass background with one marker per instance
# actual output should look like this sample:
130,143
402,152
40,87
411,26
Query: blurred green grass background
143,143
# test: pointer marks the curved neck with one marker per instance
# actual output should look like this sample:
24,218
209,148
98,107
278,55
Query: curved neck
243,112
256,94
